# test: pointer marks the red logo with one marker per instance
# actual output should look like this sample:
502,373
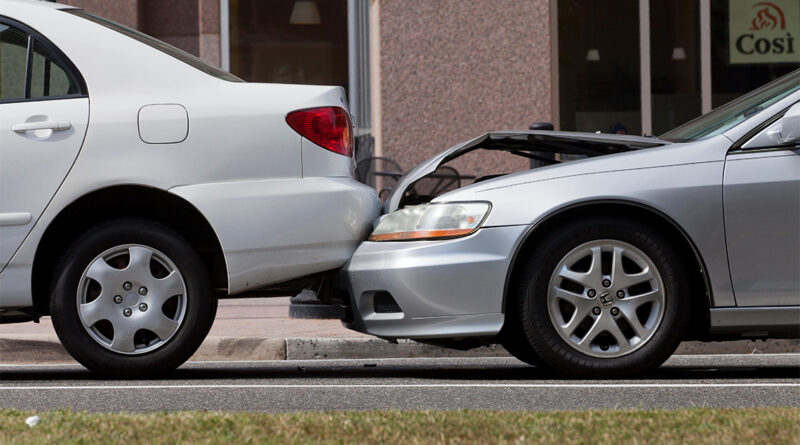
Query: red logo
768,17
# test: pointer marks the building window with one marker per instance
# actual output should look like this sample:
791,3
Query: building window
606,48
289,41
599,66
752,43
674,63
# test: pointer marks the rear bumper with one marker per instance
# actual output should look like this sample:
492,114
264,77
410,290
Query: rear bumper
277,230
444,289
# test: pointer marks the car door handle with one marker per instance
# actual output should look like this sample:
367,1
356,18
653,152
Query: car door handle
14,219
44,125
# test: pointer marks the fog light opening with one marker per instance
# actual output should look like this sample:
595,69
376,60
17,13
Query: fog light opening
384,303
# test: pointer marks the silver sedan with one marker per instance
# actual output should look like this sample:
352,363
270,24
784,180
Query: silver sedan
602,265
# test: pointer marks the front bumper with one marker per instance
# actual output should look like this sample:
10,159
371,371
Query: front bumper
442,289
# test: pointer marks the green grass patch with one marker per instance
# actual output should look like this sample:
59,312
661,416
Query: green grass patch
697,425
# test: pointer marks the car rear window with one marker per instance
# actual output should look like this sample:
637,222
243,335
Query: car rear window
166,48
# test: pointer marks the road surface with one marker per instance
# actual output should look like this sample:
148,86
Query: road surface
440,384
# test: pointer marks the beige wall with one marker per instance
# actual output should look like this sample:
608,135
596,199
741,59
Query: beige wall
454,69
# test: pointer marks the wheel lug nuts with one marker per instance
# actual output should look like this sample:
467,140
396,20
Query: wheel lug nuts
620,294
142,290
142,307
118,299
127,312
596,311
127,285
604,347
606,283
591,293
614,311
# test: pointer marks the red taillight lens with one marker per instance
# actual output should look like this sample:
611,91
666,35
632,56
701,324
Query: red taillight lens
328,127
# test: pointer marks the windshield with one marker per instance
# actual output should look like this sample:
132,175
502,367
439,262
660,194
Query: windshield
735,112
170,50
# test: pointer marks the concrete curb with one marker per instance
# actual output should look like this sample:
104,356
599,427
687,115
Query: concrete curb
37,348
342,348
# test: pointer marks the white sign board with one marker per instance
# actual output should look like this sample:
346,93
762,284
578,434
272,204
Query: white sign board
764,31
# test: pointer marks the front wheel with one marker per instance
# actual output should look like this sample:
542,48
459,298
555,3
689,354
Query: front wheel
603,297
132,298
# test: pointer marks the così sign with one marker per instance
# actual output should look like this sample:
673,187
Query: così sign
764,31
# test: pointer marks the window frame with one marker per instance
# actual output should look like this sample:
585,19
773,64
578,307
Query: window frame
58,57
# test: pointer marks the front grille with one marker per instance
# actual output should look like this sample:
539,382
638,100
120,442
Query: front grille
384,303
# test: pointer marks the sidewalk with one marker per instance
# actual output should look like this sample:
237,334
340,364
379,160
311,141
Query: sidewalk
259,329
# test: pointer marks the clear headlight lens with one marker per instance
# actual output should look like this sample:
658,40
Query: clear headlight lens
428,221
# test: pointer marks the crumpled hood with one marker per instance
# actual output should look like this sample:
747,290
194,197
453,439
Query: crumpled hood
592,144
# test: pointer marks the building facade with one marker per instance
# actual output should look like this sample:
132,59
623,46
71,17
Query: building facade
423,75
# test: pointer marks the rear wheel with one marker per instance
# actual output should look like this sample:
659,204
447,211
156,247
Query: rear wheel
132,298
602,297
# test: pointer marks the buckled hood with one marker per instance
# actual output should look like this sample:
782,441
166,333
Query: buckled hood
589,144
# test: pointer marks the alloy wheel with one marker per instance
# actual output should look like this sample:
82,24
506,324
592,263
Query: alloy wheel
606,298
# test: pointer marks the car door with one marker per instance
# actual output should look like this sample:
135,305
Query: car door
44,111
761,196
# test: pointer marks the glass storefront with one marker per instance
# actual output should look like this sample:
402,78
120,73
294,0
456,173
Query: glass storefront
674,63
623,66
601,60
752,43
289,41
598,61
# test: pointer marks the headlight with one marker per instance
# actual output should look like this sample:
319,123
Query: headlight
428,221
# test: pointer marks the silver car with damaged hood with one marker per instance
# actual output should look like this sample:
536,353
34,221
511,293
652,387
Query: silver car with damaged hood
600,266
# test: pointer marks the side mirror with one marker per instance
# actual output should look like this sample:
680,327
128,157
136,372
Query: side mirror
790,125
785,131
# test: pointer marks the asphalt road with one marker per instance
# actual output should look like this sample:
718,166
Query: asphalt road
487,383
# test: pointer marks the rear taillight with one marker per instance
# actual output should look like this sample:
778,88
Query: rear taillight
328,127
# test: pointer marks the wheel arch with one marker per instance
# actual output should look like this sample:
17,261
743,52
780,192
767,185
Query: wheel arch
122,201
700,283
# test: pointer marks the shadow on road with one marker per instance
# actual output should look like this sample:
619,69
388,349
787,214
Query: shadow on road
374,372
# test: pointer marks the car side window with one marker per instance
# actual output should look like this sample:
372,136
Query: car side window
48,78
29,69
13,62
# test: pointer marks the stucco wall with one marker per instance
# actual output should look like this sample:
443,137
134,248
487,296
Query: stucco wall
453,69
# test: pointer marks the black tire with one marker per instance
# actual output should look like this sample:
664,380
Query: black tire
536,338
198,314
516,345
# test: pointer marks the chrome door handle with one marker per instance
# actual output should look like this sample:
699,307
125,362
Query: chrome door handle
44,125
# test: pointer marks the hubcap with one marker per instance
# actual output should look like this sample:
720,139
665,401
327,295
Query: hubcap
121,319
618,320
